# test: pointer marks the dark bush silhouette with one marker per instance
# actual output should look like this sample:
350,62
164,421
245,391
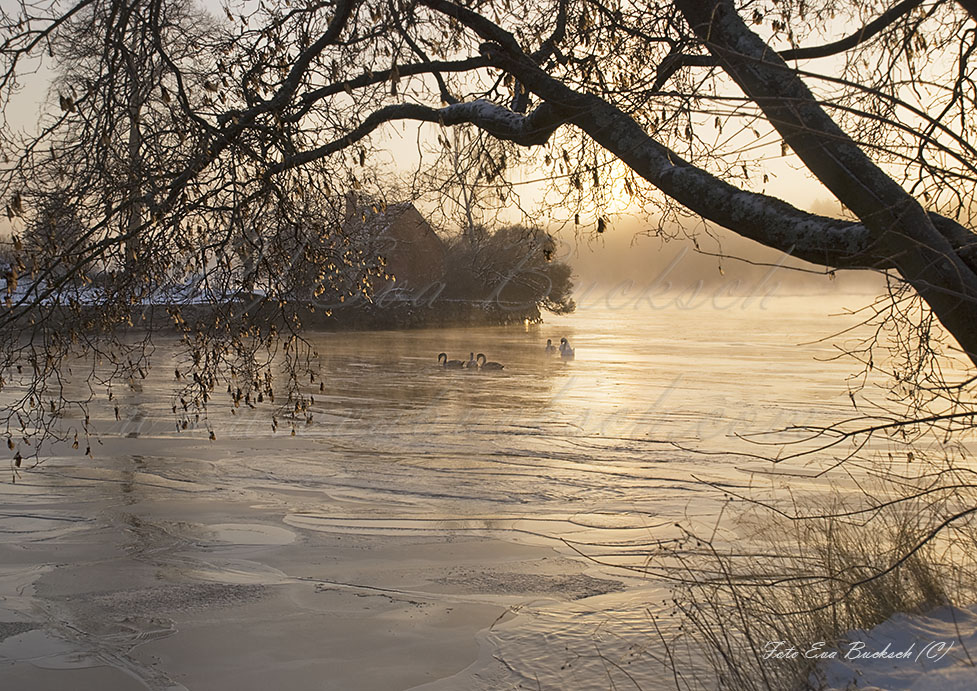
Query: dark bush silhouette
511,269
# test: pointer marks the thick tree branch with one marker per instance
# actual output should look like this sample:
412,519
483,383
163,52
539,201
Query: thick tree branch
897,232
446,95
767,220
770,221
344,8
970,6
485,29
902,232
527,130
307,99
550,45
234,123
290,84
671,64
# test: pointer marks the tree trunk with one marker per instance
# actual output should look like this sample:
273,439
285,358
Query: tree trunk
902,233
134,187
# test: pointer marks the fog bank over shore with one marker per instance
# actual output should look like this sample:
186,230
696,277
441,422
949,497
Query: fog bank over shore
630,258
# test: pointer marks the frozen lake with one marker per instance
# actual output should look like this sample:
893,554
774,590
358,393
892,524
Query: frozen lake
426,530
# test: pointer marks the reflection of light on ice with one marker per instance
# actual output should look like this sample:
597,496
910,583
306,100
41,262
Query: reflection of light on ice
250,534
593,644
621,538
513,494
45,651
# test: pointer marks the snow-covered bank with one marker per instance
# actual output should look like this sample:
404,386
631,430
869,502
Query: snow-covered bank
937,650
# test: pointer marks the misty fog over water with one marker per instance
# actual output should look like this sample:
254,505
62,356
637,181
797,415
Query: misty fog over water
631,261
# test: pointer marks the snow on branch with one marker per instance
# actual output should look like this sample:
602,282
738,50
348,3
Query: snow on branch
527,130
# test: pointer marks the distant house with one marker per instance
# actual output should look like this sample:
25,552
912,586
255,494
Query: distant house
413,252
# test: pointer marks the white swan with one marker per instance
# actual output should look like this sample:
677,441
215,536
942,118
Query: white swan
550,348
566,352
488,365
449,364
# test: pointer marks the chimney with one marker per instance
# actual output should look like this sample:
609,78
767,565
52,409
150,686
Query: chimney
349,212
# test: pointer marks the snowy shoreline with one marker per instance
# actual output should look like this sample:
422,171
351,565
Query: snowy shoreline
922,651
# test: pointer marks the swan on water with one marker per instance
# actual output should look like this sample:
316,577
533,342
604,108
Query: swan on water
550,348
565,350
472,362
449,364
488,365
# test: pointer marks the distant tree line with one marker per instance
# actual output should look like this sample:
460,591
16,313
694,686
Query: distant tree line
513,266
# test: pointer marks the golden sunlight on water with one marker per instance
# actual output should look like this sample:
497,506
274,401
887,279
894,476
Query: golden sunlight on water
474,520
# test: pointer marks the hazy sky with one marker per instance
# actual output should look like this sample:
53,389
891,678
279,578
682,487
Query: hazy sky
622,253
